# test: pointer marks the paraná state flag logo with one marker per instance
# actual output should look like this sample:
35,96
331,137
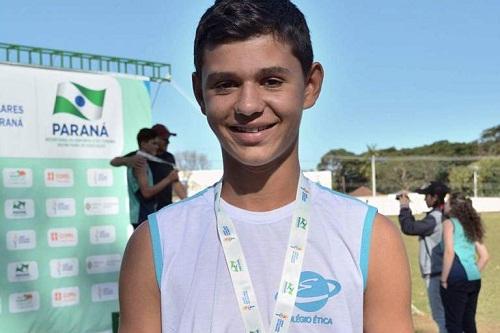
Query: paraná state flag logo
79,101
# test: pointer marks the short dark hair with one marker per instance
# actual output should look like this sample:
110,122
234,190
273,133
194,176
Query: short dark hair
237,20
145,134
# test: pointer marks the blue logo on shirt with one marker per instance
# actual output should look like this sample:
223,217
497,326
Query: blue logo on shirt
315,291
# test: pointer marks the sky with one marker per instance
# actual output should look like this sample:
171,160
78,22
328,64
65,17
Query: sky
398,73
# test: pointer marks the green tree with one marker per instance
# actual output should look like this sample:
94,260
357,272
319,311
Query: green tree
489,177
461,179
347,169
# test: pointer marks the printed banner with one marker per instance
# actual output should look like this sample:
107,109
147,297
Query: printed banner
63,209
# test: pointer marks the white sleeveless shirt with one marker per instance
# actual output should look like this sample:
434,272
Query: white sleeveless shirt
196,289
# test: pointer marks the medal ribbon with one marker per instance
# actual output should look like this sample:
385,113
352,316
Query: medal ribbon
292,266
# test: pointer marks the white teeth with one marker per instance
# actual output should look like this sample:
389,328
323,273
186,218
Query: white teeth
251,130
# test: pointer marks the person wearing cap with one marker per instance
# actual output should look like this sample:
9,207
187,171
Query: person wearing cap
430,231
160,170
143,191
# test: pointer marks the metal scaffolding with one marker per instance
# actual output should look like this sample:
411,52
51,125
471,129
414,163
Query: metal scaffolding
69,60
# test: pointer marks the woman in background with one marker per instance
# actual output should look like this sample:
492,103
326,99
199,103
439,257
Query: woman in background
463,235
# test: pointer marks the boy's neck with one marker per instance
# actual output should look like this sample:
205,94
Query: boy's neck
261,188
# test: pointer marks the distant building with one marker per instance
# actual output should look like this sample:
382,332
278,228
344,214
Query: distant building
362,191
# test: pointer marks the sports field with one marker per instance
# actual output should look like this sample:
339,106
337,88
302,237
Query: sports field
488,318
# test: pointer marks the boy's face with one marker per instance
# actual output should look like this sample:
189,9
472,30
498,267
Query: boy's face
150,146
253,93
430,199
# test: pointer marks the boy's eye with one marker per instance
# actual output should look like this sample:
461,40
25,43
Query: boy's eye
224,86
273,82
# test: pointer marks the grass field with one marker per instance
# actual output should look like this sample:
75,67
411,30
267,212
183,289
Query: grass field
487,317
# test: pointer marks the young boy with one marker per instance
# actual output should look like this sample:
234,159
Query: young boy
142,192
264,249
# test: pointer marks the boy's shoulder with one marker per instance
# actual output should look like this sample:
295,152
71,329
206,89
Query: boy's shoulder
200,201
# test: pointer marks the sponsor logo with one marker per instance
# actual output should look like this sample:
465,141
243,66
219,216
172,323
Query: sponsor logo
107,263
99,177
246,297
315,291
101,206
305,194
65,297
288,288
281,315
60,207
59,177
64,267
24,302
80,101
76,130
301,223
280,322
312,295
22,271
103,292
21,240
317,320
19,208
103,234
83,103
235,265
60,237
17,177
295,256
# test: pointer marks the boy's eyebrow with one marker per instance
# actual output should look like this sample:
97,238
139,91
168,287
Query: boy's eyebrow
274,71
268,71
218,76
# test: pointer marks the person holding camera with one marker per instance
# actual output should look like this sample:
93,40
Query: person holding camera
430,231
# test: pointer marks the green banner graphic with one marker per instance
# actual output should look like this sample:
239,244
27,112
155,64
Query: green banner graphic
63,209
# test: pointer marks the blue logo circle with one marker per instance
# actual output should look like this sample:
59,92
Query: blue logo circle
80,101
314,291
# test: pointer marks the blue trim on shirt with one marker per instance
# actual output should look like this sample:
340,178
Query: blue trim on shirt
366,241
156,245
154,230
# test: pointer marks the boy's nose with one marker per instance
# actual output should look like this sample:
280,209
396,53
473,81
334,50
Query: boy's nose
249,100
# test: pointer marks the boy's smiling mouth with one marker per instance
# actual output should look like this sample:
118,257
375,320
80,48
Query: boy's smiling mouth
251,129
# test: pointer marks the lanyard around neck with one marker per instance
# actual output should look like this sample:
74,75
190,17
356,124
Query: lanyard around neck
292,266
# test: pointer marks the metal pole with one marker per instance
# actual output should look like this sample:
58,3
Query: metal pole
374,181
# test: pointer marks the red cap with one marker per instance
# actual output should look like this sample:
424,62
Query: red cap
162,131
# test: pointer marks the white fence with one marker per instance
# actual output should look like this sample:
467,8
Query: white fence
198,180
386,204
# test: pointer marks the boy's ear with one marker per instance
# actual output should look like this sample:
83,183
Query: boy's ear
313,85
196,82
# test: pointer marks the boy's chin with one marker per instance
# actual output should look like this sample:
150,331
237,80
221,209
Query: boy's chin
255,159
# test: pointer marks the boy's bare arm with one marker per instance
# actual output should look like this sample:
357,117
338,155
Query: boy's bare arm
387,301
139,293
